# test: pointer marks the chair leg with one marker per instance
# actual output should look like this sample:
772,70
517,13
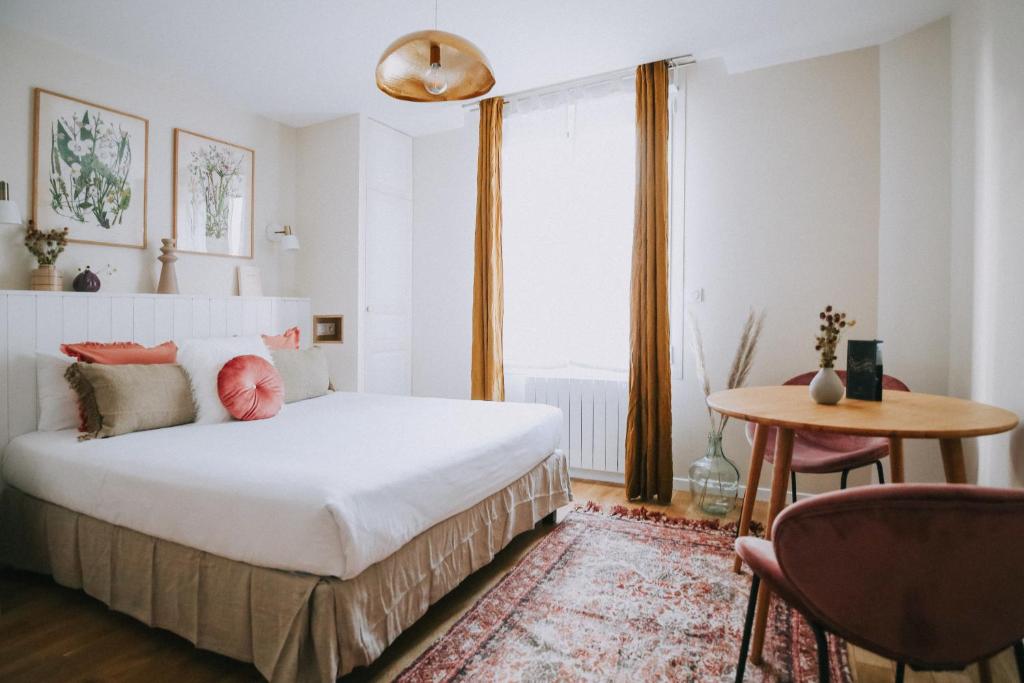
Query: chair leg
824,670
881,472
748,626
1018,654
792,484
901,670
842,481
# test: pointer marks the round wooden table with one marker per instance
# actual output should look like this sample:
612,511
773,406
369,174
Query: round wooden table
899,415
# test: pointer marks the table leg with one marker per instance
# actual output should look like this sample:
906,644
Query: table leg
780,482
753,478
896,459
953,460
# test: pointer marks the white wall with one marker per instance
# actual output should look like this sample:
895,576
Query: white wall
915,220
167,102
782,209
444,216
782,214
988,220
329,194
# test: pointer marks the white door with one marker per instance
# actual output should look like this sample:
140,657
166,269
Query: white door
387,338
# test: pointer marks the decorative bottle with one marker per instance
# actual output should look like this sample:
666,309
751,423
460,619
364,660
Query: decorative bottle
714,480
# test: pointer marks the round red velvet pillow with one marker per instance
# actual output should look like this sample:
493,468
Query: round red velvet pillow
250,388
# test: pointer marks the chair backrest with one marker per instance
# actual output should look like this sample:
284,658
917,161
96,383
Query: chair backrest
889,382
925,574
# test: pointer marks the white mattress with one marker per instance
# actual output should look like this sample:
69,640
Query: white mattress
329,486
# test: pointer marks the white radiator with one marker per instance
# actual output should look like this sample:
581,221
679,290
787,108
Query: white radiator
593,418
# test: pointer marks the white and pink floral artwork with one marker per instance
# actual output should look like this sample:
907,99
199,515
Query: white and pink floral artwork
213,195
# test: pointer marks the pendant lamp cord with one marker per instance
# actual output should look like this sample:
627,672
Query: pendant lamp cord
435,15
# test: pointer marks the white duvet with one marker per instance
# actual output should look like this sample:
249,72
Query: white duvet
329,486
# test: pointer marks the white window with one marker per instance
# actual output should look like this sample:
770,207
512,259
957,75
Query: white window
568,184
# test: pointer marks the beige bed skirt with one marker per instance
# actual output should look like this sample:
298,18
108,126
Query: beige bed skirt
292,626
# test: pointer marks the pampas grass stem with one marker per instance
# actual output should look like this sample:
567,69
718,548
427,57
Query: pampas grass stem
741,362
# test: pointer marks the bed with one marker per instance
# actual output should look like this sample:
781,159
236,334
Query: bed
305,543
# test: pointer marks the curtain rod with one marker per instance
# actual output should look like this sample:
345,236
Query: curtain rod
673,63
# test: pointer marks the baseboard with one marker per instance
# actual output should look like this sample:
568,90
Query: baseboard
683,484
600,476
678,483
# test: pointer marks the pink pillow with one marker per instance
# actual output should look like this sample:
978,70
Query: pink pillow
121,353
288,340
250,388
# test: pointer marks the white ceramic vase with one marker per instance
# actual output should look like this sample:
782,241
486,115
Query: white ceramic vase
826,387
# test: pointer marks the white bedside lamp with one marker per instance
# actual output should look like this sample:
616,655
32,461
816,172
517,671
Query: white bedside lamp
283,234
9,214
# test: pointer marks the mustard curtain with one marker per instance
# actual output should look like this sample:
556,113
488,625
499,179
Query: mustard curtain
488,288
649,418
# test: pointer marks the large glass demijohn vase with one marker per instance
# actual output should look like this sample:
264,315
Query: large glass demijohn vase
714,480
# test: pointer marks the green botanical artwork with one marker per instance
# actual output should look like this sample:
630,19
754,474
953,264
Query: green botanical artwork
216,177
90,168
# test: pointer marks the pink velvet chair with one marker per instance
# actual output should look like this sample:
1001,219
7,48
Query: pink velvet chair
825,453
927,575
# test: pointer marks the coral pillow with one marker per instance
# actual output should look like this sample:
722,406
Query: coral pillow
288,340
250,388
121,353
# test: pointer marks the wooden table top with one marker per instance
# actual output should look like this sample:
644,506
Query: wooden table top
899,414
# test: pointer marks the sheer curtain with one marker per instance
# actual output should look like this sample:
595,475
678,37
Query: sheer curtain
568,185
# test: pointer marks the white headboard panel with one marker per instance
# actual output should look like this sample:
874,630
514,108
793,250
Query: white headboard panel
39,322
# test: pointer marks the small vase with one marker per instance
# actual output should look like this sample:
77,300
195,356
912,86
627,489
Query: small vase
826,387
46,279
714,480
168,277
86,281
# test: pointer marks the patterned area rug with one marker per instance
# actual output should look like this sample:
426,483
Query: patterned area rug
626,596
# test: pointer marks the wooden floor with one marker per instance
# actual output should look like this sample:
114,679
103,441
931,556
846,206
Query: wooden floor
49,633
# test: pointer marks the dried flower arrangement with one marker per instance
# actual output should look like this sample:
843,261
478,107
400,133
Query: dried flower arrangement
46,245
832,325
741,362
106,270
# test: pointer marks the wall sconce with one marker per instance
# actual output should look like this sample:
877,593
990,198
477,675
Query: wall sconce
9,214
283,234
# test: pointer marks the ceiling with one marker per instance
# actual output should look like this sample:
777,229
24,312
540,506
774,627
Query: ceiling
305,61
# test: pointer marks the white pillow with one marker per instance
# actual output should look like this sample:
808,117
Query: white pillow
58,404
203,359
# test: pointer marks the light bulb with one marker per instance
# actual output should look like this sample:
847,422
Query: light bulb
434,80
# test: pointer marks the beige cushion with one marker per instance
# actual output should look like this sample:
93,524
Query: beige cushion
305,373
120,399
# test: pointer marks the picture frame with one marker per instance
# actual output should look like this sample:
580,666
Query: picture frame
214,196
864,378
90,171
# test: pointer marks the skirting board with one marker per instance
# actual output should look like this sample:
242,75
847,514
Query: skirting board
678,483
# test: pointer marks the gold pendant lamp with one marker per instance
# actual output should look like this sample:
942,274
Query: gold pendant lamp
433,66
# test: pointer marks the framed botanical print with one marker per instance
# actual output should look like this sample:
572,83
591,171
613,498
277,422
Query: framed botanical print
214,184
89,171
